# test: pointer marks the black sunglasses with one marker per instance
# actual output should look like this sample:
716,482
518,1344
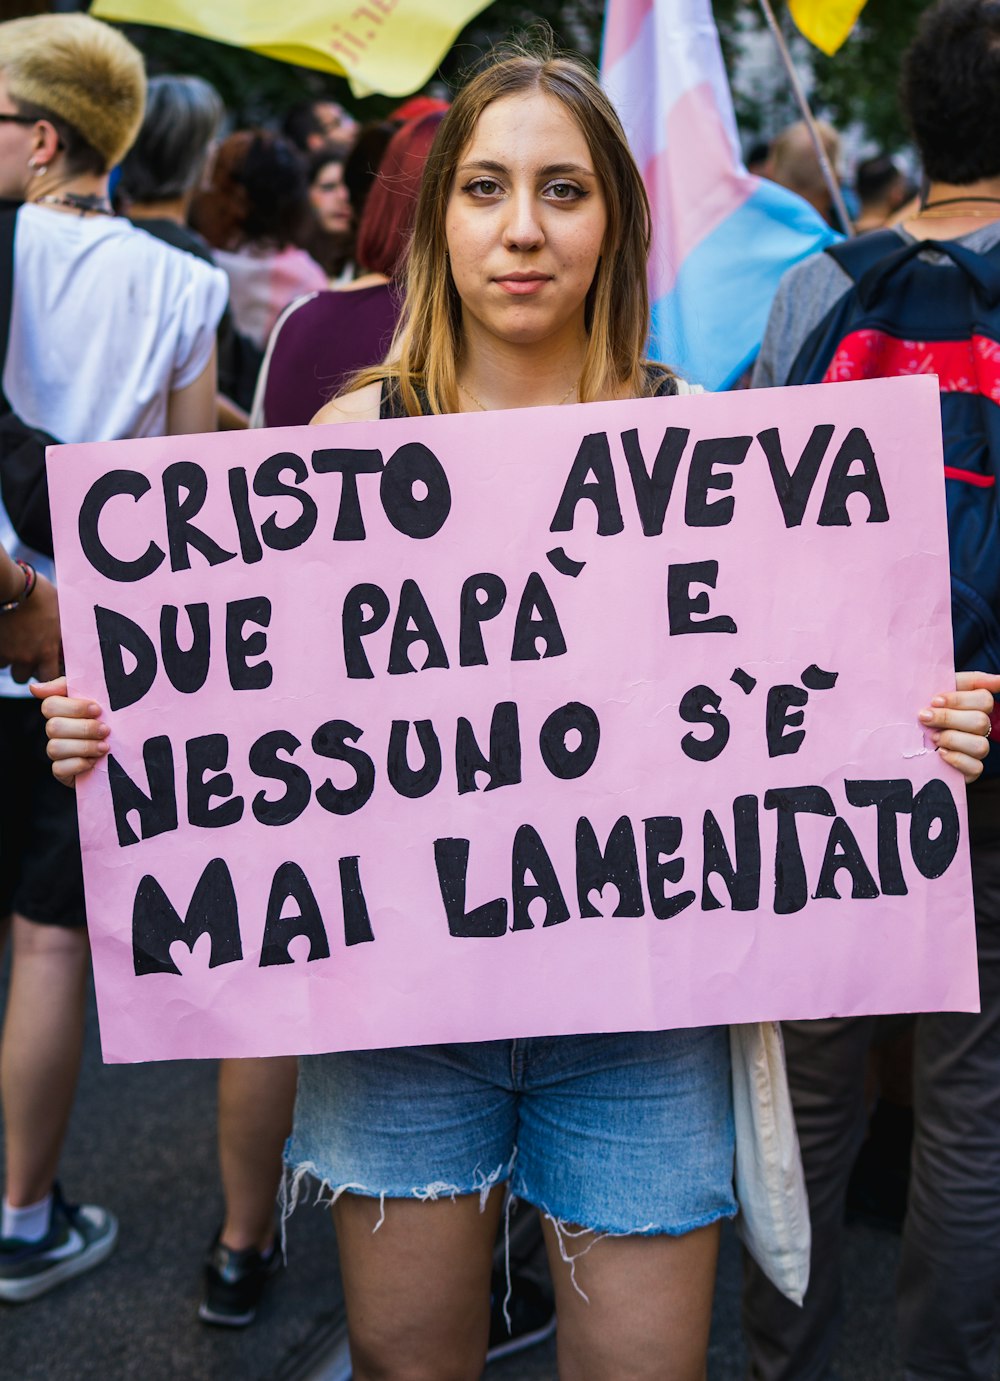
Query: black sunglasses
30,120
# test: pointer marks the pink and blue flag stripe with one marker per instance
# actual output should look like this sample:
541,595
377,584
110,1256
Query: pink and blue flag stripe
721,238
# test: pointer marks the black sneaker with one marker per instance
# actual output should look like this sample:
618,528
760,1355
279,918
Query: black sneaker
234,1283
532,1315
79,1237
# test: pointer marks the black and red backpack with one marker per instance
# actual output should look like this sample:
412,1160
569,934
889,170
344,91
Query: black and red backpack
905,314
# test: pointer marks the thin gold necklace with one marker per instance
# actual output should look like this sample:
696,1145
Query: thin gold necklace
947,214
957,215
483,408
959,201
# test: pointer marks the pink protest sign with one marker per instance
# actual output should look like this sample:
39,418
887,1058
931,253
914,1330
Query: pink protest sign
572,719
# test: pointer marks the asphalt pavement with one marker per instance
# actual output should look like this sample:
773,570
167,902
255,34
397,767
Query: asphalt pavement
142,1143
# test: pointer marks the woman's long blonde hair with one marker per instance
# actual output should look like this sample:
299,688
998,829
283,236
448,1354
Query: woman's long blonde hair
427,346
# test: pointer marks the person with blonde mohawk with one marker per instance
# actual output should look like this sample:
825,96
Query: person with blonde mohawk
112,335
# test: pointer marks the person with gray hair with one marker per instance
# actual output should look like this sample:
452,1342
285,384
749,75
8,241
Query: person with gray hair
165,164
159,177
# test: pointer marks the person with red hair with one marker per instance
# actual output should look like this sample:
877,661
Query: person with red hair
325,337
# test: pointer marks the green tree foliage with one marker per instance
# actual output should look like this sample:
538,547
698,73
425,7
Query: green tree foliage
858,84
575,24
861,82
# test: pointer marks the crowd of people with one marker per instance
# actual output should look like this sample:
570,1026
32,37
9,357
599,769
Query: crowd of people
480,255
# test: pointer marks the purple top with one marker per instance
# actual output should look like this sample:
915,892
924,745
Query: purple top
319,346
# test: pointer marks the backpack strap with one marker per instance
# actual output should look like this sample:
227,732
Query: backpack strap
870,259
983,270
862,253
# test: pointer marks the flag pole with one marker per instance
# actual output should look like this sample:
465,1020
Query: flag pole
810,120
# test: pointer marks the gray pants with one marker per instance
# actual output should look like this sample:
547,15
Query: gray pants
948,1299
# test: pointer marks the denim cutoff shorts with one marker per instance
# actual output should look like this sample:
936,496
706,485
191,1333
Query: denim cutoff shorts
626,1133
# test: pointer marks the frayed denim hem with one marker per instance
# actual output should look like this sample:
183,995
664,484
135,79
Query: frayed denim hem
568,1233
294,1190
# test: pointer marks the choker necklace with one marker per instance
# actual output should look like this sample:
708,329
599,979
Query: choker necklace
85,205
483,408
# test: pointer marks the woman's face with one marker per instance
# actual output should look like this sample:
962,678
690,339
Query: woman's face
330,199
525,222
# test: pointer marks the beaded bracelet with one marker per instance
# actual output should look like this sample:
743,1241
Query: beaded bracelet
30,580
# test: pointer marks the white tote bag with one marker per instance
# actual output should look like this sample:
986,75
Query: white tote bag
770,1187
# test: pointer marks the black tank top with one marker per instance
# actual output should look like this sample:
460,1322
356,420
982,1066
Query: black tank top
663,385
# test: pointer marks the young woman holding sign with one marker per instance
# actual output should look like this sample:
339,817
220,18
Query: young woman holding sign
526,286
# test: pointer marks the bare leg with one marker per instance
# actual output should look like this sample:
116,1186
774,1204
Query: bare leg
418,1289
41,1051
649,1310
255,1117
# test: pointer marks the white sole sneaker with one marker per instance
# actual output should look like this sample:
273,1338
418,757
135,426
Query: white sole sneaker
91,1236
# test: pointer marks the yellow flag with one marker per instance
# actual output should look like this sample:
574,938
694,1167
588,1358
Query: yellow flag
391,46
826,22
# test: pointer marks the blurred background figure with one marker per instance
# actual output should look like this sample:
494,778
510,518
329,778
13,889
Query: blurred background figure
757,155
331,239
882,190
166,165
255,213
948,1287
418,106
364,160
311,124
793,163
159,178
323,339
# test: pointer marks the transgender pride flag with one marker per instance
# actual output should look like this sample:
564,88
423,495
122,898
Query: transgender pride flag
721,238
